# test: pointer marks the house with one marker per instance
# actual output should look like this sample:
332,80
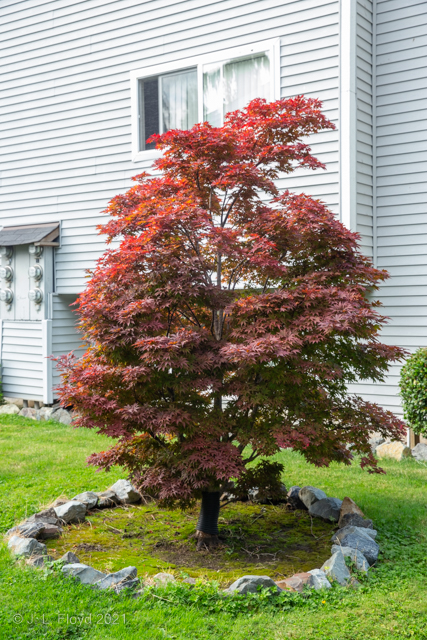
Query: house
85,83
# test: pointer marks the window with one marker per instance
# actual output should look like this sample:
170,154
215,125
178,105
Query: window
231,85
167,102
177,96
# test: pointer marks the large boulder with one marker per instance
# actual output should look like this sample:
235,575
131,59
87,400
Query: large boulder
128,584
354,554
69,558
88,498
28,412
83,573
61,415
44,413
71,511
363,543
251,584
126,492
39,561
336,569
118,578
361,531
320,581
9,410
27,530
327,509
107,500
353,519
47,516
296,582
294,501
349,506
309,495
26,547
419,452
50,532
395,450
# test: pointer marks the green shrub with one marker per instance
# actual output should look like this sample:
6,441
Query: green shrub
413,389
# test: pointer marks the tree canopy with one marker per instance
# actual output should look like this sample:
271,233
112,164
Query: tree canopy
231,317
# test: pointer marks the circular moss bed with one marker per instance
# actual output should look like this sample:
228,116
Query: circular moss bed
257,540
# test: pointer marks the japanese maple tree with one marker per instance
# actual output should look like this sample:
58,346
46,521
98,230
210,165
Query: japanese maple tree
230,319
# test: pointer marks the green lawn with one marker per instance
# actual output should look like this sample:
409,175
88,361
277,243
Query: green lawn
40,461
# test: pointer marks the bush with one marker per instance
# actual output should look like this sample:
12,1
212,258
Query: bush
413,389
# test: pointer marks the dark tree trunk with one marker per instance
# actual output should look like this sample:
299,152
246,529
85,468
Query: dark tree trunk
207,525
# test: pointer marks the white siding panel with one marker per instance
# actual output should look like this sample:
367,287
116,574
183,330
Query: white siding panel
22,360
66,98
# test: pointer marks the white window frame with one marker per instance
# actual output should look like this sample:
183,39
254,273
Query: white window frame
271,47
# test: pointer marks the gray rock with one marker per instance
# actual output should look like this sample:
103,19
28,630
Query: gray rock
361,531
129,584
309,495
355,520
294,500
117,578
251,584
190,581
89,498
320,581
336,569
26,547
27,530
44,413
50,532
327,509
364,544
163,578
39,561
69,558
375,442
125,491
61,415
71,511
419,452
47,516
356,556
28,412
9,410
107,500
83,573
263,497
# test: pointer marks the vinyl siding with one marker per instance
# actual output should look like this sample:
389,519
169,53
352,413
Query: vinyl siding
64,334
65,113
21,360
401,183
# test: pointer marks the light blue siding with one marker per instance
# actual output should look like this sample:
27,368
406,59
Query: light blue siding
401,180
65,112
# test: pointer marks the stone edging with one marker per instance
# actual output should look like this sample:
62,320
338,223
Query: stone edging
355,539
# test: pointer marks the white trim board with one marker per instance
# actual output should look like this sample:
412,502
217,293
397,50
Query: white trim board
348,113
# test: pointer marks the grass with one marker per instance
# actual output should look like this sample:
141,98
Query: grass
40,461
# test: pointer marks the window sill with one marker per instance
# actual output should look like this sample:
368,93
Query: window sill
147,156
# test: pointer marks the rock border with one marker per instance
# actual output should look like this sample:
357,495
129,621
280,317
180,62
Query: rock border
355,539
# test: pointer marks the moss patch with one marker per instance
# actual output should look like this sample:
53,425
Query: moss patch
261,540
